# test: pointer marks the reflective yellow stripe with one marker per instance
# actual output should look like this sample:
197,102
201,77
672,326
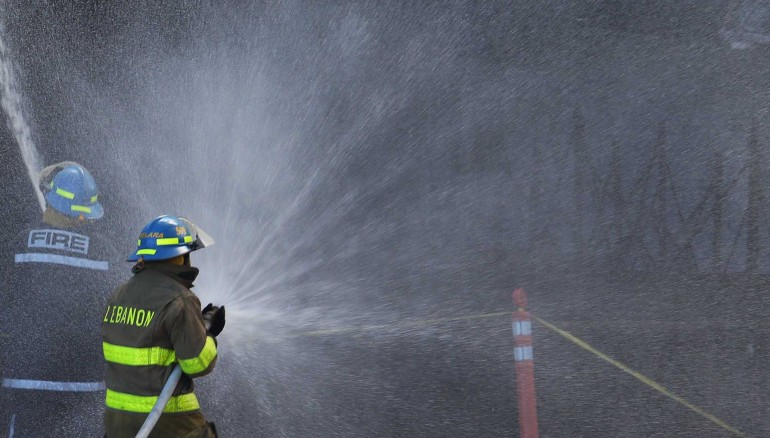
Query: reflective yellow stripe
94,198
200,363
82,208
168,241
188,239
139,242
146,251
143,404
65,194
138,356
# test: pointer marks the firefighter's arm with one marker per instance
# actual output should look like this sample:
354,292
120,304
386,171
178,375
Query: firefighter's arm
195,350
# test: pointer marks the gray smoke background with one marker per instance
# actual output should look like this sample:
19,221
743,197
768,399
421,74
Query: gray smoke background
365,166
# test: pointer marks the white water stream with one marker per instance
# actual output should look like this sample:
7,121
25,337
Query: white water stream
10,99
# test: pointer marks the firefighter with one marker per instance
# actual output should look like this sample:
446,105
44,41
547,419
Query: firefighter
53,290
71,195
153,322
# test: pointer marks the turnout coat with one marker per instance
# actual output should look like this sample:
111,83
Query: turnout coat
54,284
150,324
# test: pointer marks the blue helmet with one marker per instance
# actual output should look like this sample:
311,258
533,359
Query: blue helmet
71,190
166,237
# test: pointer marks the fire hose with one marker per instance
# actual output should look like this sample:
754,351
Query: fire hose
163,398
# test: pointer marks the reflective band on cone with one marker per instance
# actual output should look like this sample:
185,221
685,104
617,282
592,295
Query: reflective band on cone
522,353
522,328
525,366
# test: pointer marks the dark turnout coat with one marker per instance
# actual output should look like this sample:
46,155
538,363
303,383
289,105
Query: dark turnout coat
152,323
54,284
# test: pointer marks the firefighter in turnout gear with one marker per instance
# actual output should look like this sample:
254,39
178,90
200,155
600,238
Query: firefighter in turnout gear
154,322
53,286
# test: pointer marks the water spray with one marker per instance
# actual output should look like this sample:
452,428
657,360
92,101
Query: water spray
11,103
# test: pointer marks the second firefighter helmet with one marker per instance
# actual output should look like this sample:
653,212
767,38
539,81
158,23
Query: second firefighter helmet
70,189
167,236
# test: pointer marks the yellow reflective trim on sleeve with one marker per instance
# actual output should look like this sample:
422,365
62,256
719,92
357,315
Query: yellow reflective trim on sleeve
94,199
146,251
204,359
143,404
188,239
167,241
81,208
138,356
65,194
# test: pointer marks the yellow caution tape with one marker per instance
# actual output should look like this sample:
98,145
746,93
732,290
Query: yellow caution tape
579,342
644,379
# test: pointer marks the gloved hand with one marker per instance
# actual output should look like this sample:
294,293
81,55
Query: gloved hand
215,318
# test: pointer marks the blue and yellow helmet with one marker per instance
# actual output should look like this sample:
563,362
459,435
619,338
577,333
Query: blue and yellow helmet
69,189
166,237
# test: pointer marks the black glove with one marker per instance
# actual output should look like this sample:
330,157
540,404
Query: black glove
214,316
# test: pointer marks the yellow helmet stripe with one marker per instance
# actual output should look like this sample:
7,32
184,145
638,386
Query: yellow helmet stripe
81,208
65,194
146,251
94,199
167,241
